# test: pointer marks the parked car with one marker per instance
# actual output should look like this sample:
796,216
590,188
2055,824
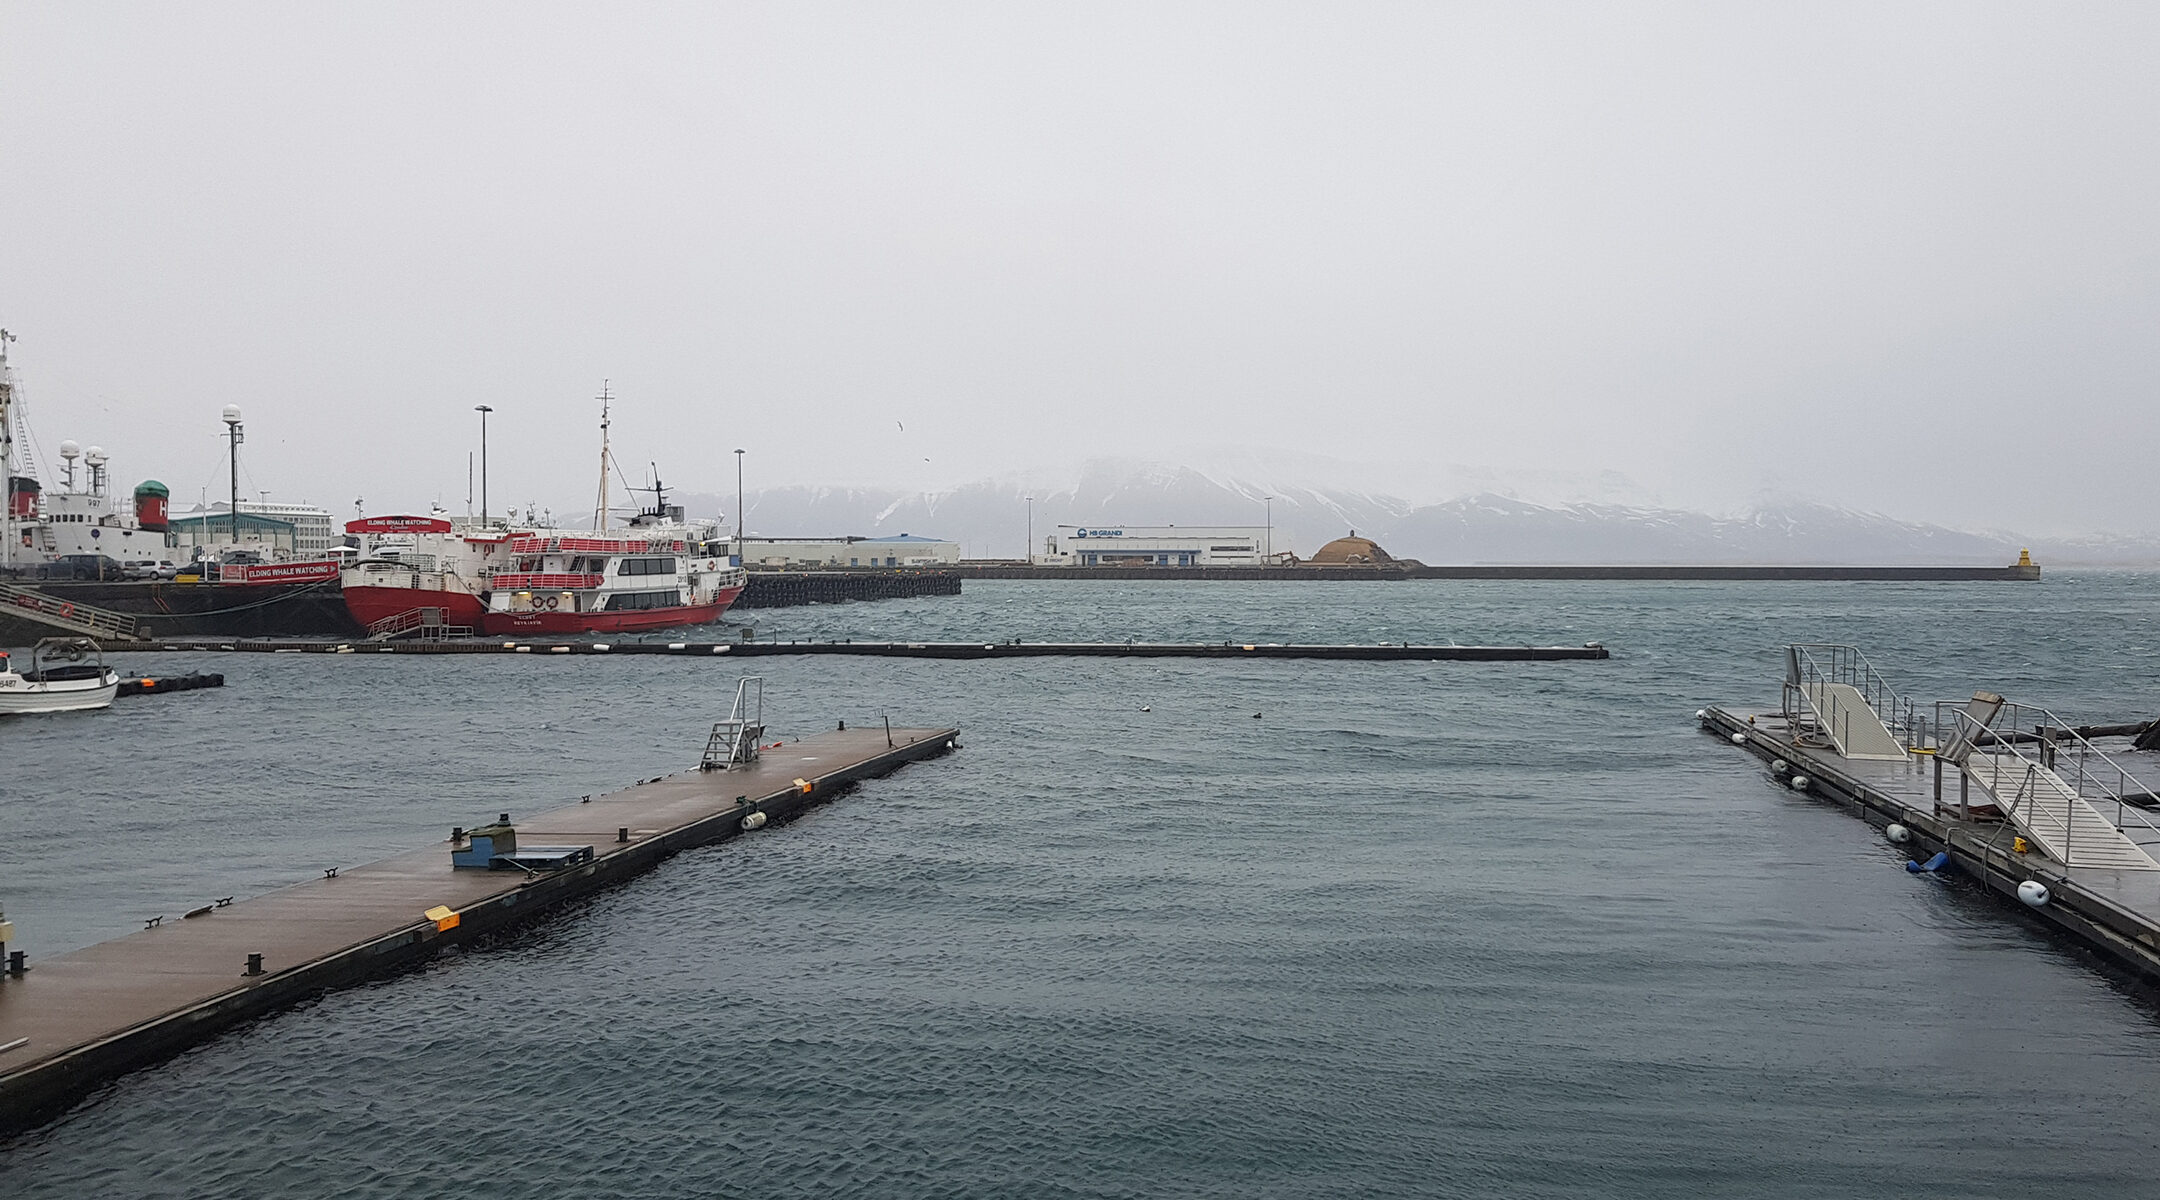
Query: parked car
141,568
83,566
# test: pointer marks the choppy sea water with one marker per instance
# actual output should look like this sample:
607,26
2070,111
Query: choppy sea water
1418,929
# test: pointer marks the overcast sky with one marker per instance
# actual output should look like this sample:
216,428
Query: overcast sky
1901,257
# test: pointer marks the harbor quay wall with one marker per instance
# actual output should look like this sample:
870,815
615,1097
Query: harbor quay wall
318,609
2126,936
783,589
50,1017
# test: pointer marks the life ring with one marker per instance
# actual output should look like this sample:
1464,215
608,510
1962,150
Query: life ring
549,602
67,610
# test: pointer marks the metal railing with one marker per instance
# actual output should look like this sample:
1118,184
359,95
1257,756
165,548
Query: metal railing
1808,664
425,623
734,741
34,605
2045,746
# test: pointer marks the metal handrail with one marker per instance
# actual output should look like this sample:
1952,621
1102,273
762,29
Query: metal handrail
1831,662
2083,769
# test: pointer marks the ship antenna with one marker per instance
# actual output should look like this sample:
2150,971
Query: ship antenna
600,513
7,455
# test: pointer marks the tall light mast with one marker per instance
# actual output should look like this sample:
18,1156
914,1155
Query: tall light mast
600,513
7,452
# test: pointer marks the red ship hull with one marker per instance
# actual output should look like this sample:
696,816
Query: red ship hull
496,624
371,604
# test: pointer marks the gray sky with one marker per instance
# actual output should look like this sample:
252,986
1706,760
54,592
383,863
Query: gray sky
1897,257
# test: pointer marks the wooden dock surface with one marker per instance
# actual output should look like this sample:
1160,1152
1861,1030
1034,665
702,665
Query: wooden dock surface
75,1020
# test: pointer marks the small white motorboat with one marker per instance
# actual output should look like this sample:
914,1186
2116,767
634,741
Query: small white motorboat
59,679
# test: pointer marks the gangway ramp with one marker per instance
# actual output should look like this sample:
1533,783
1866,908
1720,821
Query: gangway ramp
2044,807
54,612
1851,722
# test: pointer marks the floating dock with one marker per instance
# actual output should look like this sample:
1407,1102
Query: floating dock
74,1021
2039,812
1395,652
158,685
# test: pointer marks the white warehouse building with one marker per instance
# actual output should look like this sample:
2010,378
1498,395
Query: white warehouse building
1154,546
906,550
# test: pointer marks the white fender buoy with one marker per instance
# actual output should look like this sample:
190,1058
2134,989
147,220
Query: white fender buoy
2033,893
1799,783
755,820
1779,766
1898,834
1702,714
600,647
1739,739
678,645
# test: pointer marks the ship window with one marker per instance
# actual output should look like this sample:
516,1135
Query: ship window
622,601
646,566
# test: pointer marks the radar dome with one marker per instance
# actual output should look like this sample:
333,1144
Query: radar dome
69,449
232,414
95,456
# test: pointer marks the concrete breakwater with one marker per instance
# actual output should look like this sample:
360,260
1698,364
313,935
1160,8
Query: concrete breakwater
1397,572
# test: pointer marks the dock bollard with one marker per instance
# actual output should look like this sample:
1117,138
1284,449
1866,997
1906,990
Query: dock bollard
622,834
16,963
254,966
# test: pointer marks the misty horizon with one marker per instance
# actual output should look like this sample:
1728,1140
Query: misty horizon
1888,260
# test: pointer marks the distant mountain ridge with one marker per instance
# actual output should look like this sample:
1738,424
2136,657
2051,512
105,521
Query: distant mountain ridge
989,519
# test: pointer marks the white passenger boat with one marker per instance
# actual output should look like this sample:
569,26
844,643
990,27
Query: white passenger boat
59,680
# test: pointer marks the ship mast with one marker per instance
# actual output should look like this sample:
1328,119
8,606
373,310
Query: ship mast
7,453
600,513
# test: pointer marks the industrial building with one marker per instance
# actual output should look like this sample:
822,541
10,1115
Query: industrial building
313,532
905,550
1154,546
267,536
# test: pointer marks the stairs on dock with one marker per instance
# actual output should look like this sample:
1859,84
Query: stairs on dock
2046,809
1851,722
425,623
29,604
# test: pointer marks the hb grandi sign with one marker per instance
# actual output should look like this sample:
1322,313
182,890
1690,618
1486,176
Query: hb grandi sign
1081,533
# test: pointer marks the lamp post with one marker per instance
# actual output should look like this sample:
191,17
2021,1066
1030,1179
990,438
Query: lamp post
738,507
483,410
1270,530
1028,551
234,433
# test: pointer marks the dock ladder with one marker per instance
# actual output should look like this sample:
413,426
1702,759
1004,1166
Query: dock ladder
33,605
734,741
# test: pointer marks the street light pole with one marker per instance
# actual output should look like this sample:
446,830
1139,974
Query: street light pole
1028,554
1271,530
738,508
483,410
233,432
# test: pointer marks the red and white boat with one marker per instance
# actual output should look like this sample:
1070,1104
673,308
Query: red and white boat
611,583
427,575
422,573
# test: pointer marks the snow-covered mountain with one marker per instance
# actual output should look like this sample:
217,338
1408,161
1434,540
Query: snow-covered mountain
990,518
